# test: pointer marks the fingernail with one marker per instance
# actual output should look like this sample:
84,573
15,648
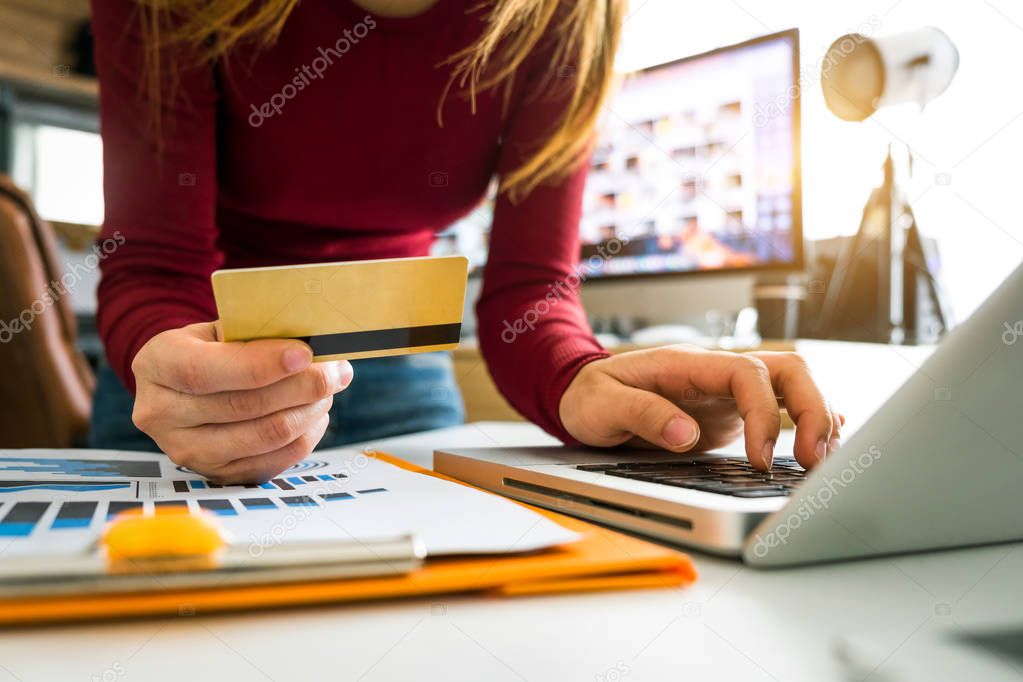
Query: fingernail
347,373
333,372
296,358
768,453
822,449
834,444
679,432
339,375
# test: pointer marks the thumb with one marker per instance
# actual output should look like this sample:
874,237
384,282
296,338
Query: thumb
205,331
192,361
654,418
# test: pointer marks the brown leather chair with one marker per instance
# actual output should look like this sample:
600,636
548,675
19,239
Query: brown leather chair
45,382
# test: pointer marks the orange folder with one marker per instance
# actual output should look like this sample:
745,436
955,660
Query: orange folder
602,560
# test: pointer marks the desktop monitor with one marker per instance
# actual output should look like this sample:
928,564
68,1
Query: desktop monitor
696,167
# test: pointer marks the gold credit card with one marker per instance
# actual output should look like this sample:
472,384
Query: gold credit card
358,309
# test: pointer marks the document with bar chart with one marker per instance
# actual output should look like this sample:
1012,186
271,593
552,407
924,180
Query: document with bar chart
56,501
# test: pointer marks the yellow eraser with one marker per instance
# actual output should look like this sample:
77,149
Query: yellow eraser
169,533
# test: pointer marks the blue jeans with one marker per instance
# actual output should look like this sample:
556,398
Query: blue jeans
388,397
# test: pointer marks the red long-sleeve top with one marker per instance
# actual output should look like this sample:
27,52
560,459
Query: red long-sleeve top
326,147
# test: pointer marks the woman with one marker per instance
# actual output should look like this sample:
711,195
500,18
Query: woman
245,133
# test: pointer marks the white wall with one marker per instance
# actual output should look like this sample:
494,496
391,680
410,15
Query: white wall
974,132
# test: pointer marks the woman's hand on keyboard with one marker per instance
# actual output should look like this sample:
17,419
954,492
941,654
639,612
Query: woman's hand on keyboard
684,398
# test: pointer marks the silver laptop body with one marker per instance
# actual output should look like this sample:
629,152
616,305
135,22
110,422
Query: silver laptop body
940,464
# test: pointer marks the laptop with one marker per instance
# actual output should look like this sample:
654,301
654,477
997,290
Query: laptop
939,465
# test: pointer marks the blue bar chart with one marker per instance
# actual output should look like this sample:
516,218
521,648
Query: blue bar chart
63,486
289,483
75,515
23,518
115,468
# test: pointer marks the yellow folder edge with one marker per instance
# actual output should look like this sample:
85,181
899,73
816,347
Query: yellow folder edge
602,560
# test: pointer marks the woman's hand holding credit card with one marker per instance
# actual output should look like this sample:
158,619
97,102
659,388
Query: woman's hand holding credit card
244,398
234,412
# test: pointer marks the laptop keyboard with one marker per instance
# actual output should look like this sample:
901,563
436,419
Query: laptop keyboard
725,475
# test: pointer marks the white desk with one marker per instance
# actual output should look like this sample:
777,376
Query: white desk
907,618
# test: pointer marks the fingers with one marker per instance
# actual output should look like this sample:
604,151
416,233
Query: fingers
263,467
837,422
814,419
742,377
657,420
308,386
197,364
206,448
639,393
758,407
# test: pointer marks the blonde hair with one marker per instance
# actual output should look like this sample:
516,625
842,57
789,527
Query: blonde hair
587,34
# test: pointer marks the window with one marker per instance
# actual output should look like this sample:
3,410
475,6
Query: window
62,169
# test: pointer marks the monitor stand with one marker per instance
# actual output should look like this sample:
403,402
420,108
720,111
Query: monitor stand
883,287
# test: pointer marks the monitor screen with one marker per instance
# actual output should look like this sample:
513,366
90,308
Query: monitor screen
696,167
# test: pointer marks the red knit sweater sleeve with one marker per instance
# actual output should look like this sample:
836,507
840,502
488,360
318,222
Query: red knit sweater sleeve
533,331
162,203
160,210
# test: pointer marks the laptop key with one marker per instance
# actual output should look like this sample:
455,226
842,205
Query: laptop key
704,486
784,477
641,476
643,473
660,464
679,480
760,492
752,485
672,479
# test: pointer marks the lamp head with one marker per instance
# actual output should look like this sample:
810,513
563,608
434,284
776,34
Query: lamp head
861,74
